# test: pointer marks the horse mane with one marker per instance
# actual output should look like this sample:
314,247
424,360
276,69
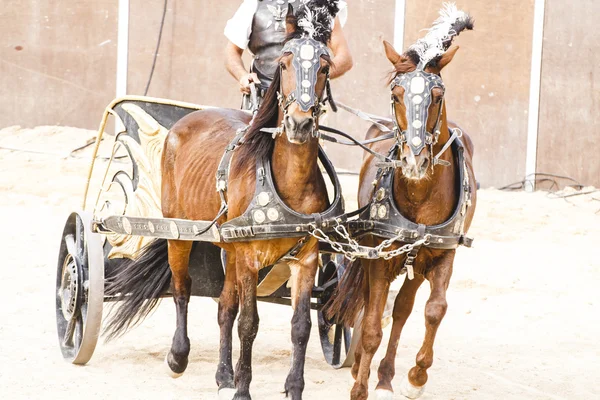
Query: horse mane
258,144
404,67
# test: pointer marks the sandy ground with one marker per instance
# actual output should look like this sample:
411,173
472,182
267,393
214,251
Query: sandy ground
522,321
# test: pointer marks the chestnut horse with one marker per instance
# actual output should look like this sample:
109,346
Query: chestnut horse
425,191
191,156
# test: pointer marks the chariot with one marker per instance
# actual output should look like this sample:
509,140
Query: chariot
123,214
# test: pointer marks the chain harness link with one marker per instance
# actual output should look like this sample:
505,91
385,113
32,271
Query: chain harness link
388,255
352,250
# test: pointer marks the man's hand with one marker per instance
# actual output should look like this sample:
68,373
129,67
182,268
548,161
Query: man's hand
246,80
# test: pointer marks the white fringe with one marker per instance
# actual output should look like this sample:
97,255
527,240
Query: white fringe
432,45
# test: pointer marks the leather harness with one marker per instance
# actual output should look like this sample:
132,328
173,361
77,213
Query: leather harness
268,217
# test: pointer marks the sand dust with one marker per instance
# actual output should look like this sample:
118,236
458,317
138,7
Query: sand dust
523,317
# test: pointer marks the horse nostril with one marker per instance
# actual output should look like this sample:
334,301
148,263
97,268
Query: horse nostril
290,122
423,165
306,125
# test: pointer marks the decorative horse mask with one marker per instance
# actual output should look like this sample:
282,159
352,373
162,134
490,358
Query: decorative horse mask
306,53
417,85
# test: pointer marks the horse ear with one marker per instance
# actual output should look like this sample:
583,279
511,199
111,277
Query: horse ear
290,20
447,57
392,55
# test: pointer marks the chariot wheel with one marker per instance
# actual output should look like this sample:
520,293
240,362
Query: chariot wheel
79,289
338,342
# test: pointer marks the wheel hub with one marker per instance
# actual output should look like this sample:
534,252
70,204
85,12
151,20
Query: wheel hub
69,291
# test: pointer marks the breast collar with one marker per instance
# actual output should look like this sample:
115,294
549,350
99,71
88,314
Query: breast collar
382,218
267,216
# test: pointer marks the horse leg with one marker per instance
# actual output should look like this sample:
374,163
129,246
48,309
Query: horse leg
181,284
403,306
247,276
372,332
357,358
359,349
303,280
435,309
228,309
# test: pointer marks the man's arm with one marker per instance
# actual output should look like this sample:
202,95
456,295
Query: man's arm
342,59
235,66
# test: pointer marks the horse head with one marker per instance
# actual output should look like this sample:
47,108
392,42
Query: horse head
417,91
304,69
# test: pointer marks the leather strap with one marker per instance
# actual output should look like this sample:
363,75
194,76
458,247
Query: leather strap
456,133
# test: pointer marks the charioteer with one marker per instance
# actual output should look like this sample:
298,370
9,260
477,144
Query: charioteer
260,27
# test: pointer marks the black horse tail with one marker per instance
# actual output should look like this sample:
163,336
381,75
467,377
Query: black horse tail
138,285
348,298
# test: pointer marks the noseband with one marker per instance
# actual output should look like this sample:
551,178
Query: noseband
417,99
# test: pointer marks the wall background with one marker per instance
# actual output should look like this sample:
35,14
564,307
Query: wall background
58,67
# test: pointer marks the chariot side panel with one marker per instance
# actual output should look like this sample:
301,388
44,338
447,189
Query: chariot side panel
132,184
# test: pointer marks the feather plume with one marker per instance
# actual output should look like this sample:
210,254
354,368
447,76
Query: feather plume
438,39
315,19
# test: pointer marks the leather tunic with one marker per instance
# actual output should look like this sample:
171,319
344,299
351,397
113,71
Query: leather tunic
267,37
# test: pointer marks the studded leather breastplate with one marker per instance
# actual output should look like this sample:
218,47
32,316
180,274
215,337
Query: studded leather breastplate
382,218
267,37
268,217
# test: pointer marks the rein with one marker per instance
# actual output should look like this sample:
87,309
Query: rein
354,142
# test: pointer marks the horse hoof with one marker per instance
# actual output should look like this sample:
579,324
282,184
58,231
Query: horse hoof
384,394
409,391
168,368
226,394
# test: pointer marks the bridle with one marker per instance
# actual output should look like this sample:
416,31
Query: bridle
306,53
418,86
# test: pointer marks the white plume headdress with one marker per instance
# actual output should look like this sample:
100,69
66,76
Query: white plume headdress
449,24
315,18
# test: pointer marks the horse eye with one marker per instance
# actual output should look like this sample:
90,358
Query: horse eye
395,98
282,66
325,70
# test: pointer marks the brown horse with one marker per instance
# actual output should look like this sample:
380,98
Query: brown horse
191,156
426,192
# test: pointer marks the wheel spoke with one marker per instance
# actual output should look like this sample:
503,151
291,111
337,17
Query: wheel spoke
71,246
70,330
347,338
78,332
79,238
337,344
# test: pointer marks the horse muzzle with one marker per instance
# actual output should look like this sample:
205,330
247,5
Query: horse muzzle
414,167
298,131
